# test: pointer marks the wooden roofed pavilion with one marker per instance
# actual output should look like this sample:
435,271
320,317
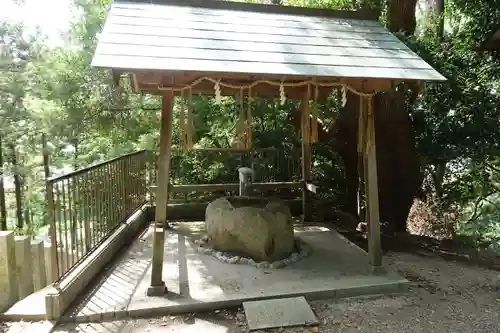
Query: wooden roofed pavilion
169,47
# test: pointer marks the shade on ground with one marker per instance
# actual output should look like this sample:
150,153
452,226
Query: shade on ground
336,268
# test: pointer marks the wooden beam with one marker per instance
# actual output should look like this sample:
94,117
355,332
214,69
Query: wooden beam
157,287
150,82
371,187
360,14
306,152
235,150
228,187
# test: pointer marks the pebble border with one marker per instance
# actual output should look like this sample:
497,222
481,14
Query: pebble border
303,248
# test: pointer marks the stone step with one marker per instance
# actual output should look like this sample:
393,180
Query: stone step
280,312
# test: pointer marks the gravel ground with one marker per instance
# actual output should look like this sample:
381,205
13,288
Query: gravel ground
445,297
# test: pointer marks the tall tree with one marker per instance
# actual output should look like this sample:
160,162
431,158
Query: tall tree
3,206
16,55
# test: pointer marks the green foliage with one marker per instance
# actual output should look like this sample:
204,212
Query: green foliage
457,122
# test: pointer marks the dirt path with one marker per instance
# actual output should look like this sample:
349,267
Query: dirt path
445,297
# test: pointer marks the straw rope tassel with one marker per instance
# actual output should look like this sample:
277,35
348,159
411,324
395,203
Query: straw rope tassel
190,121
249,120
240,128
314,119
281,84
182,122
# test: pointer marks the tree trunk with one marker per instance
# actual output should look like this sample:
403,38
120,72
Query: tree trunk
28,221
45,154
398,166
46,172
438,178
401,16
17,187
401,167
439,10
76,154
73,204
3,206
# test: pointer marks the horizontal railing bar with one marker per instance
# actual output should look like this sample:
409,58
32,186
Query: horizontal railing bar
98,243
92,167
87,205
228,150
228,187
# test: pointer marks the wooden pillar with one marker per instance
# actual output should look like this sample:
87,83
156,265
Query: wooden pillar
157,287
371,187
306,154
361,149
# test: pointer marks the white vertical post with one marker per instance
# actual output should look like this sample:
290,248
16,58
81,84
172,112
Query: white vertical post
24,267
8,285
38,261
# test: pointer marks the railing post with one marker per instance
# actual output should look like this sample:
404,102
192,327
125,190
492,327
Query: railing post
125,171
144,175
86,215
53,231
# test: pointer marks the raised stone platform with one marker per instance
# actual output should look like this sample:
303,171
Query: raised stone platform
196,282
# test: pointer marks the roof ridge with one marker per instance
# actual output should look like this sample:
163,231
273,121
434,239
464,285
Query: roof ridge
362,14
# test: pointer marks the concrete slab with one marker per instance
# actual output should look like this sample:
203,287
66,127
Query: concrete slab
198,282
198,326
157,325
32,327
29,308
284,312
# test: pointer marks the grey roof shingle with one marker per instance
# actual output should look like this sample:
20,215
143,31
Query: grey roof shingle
145,36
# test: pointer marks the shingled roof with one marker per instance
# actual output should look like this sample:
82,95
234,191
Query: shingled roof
220,36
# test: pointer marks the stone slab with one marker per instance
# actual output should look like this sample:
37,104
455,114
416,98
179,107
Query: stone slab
47,253
38,261
32,327
30,308
282,312
24,266
196,325
8,286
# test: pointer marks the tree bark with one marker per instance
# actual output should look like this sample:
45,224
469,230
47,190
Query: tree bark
45,155
3,206
439,10
28,221
438,178
76,145
46,172
398,166
401,16
17,187
74,217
